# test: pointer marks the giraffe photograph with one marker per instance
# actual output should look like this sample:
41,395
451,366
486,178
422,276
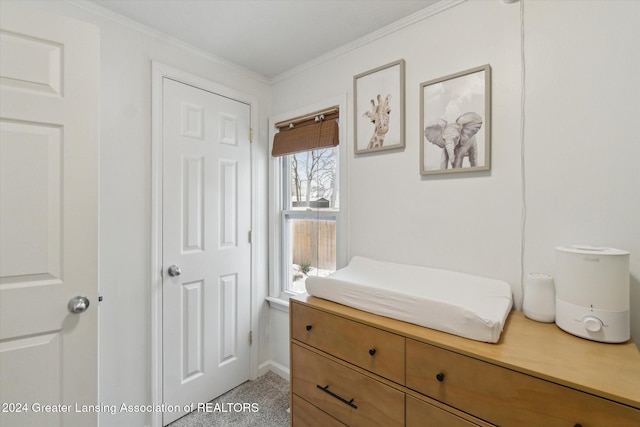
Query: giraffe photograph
379,108
455,122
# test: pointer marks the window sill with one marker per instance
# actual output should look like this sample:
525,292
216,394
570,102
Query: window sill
278,304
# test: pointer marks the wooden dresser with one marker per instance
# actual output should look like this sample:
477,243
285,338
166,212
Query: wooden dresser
353,368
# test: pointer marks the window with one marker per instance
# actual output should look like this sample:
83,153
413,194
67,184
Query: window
305,201
309,216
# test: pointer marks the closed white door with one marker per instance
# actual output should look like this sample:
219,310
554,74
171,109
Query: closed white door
48,218
206,219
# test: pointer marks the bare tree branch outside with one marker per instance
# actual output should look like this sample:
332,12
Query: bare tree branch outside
315,171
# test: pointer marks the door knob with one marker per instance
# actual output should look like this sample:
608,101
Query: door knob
78,304
174,271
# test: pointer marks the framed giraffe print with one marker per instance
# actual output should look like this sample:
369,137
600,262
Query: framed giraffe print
379,108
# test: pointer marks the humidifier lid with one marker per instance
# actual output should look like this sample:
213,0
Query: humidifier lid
591,250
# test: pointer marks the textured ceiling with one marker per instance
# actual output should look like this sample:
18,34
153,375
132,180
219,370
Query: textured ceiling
267,37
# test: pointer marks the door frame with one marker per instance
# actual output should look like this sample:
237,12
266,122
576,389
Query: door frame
158,72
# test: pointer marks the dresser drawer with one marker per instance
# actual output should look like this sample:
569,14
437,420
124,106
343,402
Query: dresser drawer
369,348
422,414
505,397
350,397
304,414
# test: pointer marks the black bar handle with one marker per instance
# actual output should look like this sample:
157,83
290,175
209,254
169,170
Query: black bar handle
341,399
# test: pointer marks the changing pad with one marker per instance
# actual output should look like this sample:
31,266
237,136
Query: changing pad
458,303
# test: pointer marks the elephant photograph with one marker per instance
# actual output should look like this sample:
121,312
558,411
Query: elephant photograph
455,122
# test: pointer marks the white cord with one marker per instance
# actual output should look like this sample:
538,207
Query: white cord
523,218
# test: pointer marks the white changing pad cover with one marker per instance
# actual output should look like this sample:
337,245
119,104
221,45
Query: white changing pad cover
458,303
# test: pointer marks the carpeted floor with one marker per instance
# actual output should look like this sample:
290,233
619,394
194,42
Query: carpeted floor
261,403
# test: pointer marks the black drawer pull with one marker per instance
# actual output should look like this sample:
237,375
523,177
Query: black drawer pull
577,425
341,399
372,351
309,327
440,376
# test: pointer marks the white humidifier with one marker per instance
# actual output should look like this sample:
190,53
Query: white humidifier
592,292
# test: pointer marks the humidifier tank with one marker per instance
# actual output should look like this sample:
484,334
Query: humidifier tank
592,292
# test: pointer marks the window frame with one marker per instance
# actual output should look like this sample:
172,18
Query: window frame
278,212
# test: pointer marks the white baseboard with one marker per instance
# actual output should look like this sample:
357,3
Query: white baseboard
277,368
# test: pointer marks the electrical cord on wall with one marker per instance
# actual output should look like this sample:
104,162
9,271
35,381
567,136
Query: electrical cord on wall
523,218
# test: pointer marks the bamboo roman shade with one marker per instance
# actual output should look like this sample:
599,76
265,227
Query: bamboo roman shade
318,130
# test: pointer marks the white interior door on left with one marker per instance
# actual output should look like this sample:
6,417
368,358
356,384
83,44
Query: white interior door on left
49,68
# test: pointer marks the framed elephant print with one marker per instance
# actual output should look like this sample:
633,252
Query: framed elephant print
379,108
455,122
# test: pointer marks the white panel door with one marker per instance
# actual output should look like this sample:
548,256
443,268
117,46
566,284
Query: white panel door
206,221
48,218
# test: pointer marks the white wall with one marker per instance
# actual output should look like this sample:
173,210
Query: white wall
582,63
125,205
582,141
582,89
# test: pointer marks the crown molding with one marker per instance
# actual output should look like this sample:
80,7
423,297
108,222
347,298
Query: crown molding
163,37
412,19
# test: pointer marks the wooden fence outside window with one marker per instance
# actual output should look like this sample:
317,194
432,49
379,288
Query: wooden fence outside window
314,242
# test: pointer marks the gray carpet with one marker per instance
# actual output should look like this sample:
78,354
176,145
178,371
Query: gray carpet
262,403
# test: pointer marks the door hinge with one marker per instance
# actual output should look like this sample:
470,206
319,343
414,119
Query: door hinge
250,236
250,134
250,337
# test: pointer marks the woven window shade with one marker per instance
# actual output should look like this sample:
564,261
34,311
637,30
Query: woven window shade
307,134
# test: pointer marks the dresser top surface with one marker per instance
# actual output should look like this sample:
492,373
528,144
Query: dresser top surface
540,349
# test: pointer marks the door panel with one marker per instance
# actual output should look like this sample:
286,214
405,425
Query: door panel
206,209
228,306
48,215
228,196
193,236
